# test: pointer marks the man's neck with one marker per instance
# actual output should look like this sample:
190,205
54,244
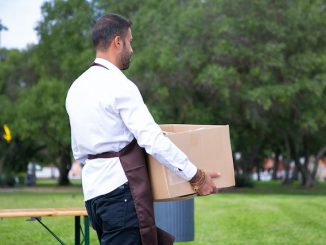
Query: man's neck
104,56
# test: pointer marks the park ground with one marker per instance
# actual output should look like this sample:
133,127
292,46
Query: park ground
265,214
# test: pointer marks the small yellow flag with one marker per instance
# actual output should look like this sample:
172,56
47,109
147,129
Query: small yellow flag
7,134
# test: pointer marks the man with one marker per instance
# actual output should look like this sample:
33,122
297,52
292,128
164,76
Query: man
110,125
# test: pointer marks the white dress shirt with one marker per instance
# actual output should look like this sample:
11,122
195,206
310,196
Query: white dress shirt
106,111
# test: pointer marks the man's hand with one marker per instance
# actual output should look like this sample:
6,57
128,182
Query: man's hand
202,182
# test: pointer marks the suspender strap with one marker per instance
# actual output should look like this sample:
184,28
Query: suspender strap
97,64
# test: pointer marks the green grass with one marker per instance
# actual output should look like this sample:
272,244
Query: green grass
19,231
54,182
266,214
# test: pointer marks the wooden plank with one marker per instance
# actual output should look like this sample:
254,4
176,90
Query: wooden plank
42,212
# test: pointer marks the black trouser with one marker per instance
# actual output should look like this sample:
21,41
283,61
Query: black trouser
114,218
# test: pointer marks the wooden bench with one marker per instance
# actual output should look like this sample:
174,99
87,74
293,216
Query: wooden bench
36,214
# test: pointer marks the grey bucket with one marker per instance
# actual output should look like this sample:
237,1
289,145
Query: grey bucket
177,218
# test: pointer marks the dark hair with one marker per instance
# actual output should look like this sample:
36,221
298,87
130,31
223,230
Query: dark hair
107,28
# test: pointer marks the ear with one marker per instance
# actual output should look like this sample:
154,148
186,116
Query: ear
117,42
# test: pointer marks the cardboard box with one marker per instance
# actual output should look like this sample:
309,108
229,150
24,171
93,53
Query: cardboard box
207,146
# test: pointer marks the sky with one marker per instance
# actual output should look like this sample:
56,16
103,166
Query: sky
20,17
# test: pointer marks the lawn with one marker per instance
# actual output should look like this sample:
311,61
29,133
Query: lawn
266,214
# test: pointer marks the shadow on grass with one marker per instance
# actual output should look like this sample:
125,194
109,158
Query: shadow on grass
276,188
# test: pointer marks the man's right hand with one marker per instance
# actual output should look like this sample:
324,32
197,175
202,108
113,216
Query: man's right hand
203,184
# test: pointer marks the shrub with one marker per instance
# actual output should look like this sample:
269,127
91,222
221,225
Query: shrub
7,180
244,181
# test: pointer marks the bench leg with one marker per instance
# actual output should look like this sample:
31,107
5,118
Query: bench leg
54,235
77,231
86,229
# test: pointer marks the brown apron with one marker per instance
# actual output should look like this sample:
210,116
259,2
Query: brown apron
132,158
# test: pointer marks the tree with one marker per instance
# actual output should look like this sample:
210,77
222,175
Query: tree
208,62
278,50
17,74
43,121
61,56
65,48
261,70
35,87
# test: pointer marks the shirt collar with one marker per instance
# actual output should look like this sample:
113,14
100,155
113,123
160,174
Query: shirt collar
106,63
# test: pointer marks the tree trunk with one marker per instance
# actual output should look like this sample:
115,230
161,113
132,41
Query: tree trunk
295,174
252,159
236,168
258,174
276,164
307,180
287,180
64,166
1,164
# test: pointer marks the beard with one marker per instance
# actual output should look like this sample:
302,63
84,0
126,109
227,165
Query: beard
125,58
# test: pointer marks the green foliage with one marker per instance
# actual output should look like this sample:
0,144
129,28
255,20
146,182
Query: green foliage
259,66
42,114
65,45
34,83
244,181
7,179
